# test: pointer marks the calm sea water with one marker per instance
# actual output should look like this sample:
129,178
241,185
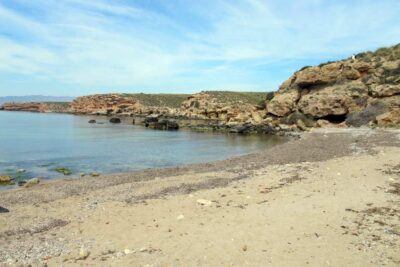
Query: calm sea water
39,143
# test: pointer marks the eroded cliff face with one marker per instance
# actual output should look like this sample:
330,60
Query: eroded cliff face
205,106
115,104
197,106
364,90
104,104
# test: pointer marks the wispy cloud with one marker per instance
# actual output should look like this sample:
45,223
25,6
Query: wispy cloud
182,45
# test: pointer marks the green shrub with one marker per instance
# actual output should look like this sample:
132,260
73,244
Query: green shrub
269,96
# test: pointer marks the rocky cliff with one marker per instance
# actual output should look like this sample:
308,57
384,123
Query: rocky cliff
103,104
119,104
220,106
208,106
364,89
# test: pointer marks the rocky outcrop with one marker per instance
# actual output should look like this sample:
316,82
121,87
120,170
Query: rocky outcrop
205,106
32,107
155,121
105,104
116,104
391,118
336,90
58,107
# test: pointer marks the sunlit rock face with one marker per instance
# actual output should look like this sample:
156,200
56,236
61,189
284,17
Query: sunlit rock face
350,86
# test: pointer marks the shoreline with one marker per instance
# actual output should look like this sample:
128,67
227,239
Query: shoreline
64,219
186,123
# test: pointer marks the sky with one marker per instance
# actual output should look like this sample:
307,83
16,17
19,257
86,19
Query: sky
78,47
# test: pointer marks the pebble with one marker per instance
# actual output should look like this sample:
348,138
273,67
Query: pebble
4,210
83,254
94,174
204,202
127,251
180,217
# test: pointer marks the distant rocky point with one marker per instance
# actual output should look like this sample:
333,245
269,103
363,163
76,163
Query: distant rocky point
364,90
34,98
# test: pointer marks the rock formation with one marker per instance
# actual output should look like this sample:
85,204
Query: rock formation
361,90
104,104
364,90
205,106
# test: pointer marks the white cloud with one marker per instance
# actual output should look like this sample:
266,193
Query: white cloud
103,43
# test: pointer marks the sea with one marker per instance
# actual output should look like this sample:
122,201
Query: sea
37,144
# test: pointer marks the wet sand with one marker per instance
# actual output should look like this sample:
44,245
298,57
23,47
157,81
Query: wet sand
330,198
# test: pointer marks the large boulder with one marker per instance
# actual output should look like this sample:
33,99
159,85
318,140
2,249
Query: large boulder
294,117
115,120
391,118
241,129
312,76
283,103
5,179
151,118
334,100
165,124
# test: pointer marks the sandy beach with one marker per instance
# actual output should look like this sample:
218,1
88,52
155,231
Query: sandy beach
330,198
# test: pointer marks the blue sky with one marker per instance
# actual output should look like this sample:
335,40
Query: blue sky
77,47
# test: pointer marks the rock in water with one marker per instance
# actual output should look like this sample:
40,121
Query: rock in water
92,121
169,125
151,118
241,129
63,170
32,182
115,120
5,178
21,183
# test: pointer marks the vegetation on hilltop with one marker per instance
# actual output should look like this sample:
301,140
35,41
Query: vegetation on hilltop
61,104
253,98
159,100
390,53
175,100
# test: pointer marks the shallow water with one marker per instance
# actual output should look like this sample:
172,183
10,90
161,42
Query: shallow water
39,143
